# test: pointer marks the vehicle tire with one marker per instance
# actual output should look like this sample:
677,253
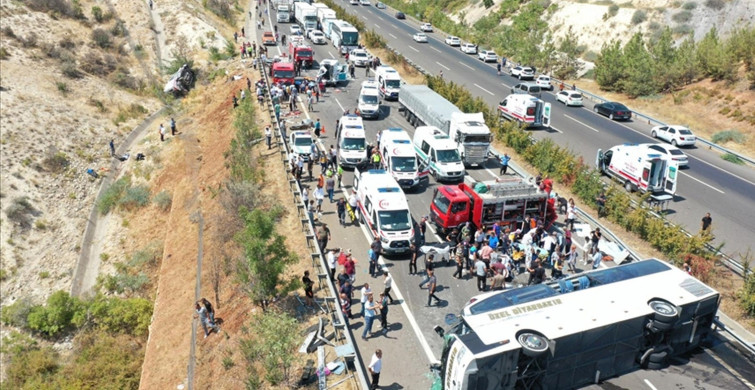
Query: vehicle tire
673,142
596,110
656,366
520,77
654,134
660,326
434,174
628,186
663,311
610,116
533,345
659,357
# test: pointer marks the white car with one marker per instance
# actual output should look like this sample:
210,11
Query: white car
295,29
317,37
469,48
426,27
453,41
672,152
570,98
380,5
523,72
676,135
359,57
301,144
354,2
544,82
420,37
487,56
364,2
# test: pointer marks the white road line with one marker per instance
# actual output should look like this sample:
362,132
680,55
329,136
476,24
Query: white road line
395,26
339,104
436,50
491,172
490,93
365,18
394,37
650,385
445,67
379,18
410,46
331,55
582,123
376,25
702,182
731,369
557,130
466,65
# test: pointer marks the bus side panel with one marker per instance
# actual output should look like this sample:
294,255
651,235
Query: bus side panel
497,372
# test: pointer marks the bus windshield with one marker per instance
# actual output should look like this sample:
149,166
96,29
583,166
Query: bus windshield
448,156
350,38
404,164
394,220
353,144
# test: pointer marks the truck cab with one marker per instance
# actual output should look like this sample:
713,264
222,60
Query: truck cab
639,168
399,159
283,72
526,109
299,51
283,15
472,137
384,210
438,154
505,201
352,142
389,82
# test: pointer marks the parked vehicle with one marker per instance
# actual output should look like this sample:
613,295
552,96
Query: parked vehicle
384,210
526,109
469,48
527,89
283,72
453,41
301,144
389,82
426,27
283,16
323,14
305,15
487,56
364,2
379,5
422,106
400,15
523,72
613,110
268,39
369,102
544,82
317,37
420,37
570,98
675,135
438,154
671,152
359,57
639,168
298,51
344,36
352,142
332,72
399,158
506,202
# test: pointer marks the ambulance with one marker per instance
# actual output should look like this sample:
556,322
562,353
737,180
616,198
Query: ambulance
526,109
389,82
399,159
383,209
639,168
352,142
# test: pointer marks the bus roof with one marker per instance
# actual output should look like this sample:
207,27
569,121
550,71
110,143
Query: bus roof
582,302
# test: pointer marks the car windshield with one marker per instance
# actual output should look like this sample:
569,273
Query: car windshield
302,141
353,144
448,156
358,54
394,220
685,132
441,202
404,164
393,83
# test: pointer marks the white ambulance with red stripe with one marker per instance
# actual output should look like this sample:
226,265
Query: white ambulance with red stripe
383,209
526,109
639,168
399,159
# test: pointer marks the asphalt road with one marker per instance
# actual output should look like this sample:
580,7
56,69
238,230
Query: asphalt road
710,184
410,344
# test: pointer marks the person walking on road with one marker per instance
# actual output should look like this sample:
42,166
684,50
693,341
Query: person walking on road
705,224
481,272
376,365
504,163
432,284
366,294
388,283
323,235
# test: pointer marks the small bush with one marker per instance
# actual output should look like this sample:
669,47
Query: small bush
102,38
4,54
118,29
8,32
97,64
97,14
733,158
62,87
682,16
221,8
44,275
61,313
20,211
56,162
613,10
16,314
113,194
116,315
67,43
639,16
123,78
69,69
163,200
728,136
487,3
689,6
29,40
715,4
135,197
62,7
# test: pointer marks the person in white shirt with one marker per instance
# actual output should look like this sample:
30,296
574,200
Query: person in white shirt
319,196
388,283
269,137
332,259
366,292
376,365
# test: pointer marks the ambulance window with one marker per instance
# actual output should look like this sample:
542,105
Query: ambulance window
458,207
425,147
441,202
530,110
645,174
368,204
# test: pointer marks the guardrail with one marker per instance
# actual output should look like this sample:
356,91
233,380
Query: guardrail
332,302
746,346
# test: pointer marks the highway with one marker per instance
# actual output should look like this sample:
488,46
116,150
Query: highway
710,184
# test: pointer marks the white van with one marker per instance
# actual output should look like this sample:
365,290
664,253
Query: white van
398,157
639,168
389,82
368,102
352,142
383,209
438,153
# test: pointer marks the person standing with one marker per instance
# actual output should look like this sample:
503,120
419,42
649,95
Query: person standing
383,306
498,281
330,186
319,196
310,103
537,273
309,293
432,284
481,273
366,294
203,318
597,258
413,252
595,237
388,284
504,163
210,311
318,127
112,148
341,209
268,137
162,132
499,68
370,313
704,224
172,127
459,267
332,260
346,307
323,235
601,202
376,365
571,214
150,4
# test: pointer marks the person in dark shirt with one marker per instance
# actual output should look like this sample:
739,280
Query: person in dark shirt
537,273
308,288
706,222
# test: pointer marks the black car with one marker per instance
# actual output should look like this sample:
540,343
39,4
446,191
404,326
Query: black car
613,110
400,15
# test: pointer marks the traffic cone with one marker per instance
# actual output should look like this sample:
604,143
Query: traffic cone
322,129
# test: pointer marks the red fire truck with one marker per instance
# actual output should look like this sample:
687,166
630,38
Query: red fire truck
506,201
283,72
298,51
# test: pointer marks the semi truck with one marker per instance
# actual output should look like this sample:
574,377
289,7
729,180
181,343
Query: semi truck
305,15
284,15
324,14
503,201
422,106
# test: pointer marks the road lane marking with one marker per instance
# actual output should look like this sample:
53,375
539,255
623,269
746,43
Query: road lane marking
365,18
582,123
331,55
339,104
731,369
410,46
466,65
491,93
436,50
650,385
394,37
395,26
376,25
702,182
445,67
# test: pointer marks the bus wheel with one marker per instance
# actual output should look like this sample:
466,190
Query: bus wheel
533,345
663,311
660,326
659,357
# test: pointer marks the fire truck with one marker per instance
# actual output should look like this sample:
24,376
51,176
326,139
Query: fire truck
506,201
283,71
299,51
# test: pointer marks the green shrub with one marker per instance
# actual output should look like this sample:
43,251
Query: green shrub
116,315
17,313
102,38
97,14
747,293
163,200
639,16
276,339
112,195
682,16
689,6
733,158
728,136
613,10
29,365
62,87
56,162
135,197
69,69
683,29
61,313
221,8
4,54
715,4
20,211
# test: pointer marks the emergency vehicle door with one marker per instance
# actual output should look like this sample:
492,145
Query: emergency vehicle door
672,175
599,161
547,115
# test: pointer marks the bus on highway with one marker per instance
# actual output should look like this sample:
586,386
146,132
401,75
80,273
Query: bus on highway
344,36
576,331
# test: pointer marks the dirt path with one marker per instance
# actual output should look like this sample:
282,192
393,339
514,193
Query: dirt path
163,56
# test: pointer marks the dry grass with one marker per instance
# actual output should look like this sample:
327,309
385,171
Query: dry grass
407,72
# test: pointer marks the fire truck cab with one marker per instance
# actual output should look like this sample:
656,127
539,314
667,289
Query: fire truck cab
283,72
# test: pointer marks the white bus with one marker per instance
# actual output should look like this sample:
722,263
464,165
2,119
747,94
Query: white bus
578,330
344,36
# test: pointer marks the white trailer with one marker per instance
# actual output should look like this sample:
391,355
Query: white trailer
305,15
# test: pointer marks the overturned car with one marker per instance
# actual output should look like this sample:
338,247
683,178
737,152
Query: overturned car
181,81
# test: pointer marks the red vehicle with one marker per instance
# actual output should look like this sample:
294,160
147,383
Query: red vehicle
283,72
506,201
298,51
